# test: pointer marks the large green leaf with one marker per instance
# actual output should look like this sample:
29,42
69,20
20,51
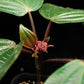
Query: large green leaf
59,14
70,73
20,7
9,52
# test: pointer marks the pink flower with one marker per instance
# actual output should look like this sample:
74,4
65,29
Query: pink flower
42,46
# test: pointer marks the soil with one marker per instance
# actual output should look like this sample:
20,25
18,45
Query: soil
30,82
26,78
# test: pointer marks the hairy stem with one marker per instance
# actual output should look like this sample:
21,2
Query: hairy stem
37,70
27,51
32,22
59,60
47,30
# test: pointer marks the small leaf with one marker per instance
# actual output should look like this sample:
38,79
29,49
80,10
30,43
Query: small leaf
59,14
9,52
28,37
35,54
70,73
46,39
20,7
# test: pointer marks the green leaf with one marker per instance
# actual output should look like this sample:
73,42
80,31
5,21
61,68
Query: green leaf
47,39
59,14
9,52
20,7
27,36
70,73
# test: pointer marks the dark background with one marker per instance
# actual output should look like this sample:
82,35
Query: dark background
68,39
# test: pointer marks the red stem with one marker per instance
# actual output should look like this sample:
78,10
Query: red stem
47,30
32,22
59,60
38,71
27,51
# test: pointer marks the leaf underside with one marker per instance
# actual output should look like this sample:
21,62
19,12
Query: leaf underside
61,15
70,73
9,52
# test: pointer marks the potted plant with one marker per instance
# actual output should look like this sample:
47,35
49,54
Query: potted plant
9,50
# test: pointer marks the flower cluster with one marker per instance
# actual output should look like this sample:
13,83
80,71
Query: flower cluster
30,40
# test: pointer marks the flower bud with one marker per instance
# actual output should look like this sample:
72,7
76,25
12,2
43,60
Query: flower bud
27,36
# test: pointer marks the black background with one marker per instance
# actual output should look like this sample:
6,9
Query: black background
68,39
